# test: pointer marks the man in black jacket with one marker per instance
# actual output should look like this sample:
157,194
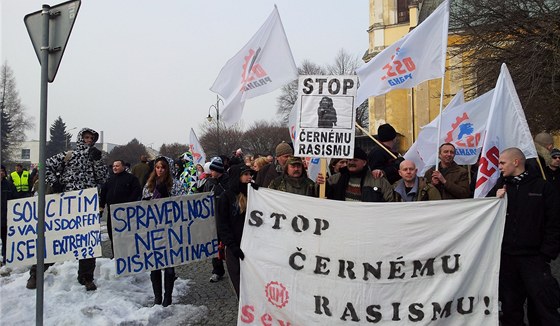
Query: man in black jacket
531,240
122,187
9,192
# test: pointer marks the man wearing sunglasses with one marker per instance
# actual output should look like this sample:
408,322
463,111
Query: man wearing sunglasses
553,169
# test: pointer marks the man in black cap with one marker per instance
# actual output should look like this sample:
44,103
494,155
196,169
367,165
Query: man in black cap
380,162
294,179
355,182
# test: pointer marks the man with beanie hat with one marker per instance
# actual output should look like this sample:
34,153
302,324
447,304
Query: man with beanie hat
271,171
218,183
380,162
355,182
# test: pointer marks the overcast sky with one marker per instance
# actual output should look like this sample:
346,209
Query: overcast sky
142,69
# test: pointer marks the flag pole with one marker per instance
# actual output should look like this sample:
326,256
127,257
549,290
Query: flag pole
439,120
375,140
444,56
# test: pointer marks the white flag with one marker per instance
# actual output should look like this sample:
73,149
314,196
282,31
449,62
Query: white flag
462,124
263,65
506,127
196,149
417,57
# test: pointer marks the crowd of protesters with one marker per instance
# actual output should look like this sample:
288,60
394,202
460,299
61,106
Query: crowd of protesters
532,229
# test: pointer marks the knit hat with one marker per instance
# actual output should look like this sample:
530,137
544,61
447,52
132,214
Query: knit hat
555,152
386,132
360,154
207,167
217,165
284,148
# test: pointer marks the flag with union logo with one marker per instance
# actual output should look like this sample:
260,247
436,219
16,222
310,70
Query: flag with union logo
196,149
417,57
264,64
462,124
506,127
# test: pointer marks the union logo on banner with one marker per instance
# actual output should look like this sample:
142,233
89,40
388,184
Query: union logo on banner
463,136
253,73
398,70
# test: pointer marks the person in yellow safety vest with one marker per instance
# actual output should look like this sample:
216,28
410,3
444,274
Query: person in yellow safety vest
20,179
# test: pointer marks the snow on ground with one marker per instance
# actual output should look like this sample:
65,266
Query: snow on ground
127,300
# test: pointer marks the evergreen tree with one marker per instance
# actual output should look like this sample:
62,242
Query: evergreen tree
6,130
59,138
14,120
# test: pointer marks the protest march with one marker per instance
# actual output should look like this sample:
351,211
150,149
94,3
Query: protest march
333,224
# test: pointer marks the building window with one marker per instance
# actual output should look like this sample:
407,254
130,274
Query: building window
25,154
402,11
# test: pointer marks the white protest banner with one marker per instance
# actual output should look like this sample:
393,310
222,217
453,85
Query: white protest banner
417,57
264,64
325,125
196,149
72,229
506,127
313,163
462,124
320,262
166,232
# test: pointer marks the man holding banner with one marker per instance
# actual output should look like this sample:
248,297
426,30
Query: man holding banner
79,169
450,179
356,183
531,240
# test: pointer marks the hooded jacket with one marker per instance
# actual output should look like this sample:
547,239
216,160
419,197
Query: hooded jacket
84,169
230,220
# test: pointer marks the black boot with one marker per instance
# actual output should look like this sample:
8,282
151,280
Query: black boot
169,281
32,281
155,277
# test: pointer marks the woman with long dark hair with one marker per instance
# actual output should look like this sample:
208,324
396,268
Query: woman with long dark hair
161,184
232,207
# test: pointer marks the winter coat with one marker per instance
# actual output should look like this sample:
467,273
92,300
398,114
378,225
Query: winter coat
372,190
176,188
120,188
457,182
230,220
218,186
81,171
9,192
553,177
268,173
533,217
421,191
299,186
379,159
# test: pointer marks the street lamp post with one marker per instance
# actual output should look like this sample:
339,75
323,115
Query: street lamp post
209,118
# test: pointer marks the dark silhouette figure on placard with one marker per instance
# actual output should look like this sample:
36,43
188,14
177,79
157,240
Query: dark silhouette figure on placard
326,113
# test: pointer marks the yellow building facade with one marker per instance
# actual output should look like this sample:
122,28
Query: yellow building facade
407,110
